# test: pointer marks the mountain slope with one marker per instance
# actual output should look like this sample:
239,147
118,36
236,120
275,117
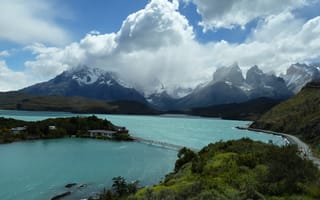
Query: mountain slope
21,101
162,101
249,110
299,115
86,82
212,94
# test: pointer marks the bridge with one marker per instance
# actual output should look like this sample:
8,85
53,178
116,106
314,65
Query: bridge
161,144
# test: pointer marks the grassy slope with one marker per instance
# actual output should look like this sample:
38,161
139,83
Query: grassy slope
240,169
20,101
299,116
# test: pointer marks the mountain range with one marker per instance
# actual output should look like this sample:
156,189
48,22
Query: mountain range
228,85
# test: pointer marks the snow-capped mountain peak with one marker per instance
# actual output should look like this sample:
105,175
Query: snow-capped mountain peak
85,75
87,82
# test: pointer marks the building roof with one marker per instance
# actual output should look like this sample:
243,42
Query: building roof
103,131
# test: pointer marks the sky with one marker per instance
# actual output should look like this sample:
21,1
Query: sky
154,43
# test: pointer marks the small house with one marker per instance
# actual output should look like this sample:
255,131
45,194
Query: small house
18,130
52,128
122,130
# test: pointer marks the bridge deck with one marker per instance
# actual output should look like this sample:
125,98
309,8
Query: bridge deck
161,144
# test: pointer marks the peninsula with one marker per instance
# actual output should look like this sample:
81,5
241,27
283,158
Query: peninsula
12,130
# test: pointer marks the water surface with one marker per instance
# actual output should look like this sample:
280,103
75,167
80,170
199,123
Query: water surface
39,169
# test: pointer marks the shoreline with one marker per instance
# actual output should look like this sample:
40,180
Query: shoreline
70,137
305,150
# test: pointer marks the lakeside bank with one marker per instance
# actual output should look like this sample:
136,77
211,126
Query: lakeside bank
305,150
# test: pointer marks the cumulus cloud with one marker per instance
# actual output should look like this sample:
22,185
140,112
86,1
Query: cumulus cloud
30,21
228,14
272,27
4,53
157,25
10,80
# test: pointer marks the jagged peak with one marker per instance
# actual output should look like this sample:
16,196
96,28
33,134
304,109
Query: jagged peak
234,65
298,68
232,73
255,69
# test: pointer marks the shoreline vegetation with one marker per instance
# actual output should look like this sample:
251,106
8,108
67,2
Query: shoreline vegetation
12,130
304,149
239,169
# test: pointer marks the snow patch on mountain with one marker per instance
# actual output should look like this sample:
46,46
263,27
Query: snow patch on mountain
87,76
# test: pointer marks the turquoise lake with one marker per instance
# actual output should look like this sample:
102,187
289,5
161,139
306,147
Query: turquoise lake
37,170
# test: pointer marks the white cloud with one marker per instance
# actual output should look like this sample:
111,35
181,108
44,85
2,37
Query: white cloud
273,47
30,21
51,60
157,25
272,28
228,14
4,53
10,80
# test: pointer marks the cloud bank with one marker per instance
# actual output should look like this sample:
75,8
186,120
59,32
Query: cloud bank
30,21
156,46
228,14
11,79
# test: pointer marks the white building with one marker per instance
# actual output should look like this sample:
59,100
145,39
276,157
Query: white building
52,127
105,133
18,130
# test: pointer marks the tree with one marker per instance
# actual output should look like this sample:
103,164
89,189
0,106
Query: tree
119,186
107,195
185,155
132,187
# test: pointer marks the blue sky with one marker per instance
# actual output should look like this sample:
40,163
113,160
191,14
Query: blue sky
40,39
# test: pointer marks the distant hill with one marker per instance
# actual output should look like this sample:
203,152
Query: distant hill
21,101
299,115
249,110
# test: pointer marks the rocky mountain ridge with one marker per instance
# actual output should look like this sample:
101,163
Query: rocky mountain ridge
228,85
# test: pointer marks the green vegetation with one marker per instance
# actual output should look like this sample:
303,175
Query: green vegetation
120,189
299,116
236,170
21,101
57,128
